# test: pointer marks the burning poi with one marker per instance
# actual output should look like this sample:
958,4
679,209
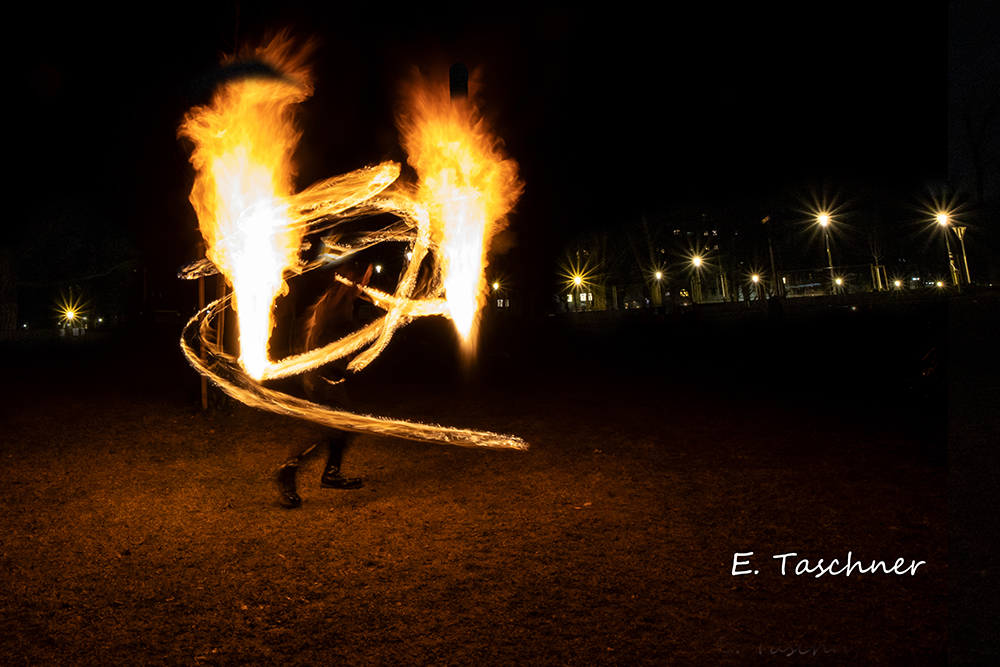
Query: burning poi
253,225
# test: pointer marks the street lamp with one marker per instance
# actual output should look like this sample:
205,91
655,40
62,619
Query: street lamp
656,288
824,221
578,277
696,280
942,219
71,309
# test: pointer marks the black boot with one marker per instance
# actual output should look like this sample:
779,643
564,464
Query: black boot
332,478
286,483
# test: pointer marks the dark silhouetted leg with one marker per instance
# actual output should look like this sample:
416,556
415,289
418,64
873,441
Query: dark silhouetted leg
286,482
332,477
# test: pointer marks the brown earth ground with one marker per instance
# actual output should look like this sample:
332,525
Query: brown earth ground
139,530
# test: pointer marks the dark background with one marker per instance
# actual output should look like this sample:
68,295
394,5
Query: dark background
611,115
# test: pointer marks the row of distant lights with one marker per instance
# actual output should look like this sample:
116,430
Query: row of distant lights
823,219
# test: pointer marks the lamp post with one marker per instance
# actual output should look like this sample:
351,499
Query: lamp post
824,222
943,220
778,287
960,233
696,280
657,291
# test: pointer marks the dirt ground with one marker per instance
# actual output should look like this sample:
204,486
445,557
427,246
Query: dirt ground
139,530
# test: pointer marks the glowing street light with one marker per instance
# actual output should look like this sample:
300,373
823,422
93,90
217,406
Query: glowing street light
578,279
656,288
943,220
824,221
70,309
696,279
576,298
757,286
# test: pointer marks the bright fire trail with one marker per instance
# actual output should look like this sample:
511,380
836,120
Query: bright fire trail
253,225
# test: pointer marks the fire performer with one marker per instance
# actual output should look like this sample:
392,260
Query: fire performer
253,221
329,318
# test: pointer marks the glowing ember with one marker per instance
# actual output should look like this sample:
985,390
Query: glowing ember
253,225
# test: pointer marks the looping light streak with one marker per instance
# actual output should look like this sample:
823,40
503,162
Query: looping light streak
254,227
225,372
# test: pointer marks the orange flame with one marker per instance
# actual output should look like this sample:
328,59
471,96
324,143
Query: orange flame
244,142
253,224
467,185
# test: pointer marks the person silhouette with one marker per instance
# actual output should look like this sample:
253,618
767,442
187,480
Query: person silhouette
329,318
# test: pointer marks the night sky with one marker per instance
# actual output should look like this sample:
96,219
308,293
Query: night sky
610,114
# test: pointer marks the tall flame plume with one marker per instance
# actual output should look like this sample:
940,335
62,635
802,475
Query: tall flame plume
244,142
467,184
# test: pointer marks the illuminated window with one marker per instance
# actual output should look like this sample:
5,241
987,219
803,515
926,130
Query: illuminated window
590,297
569,298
